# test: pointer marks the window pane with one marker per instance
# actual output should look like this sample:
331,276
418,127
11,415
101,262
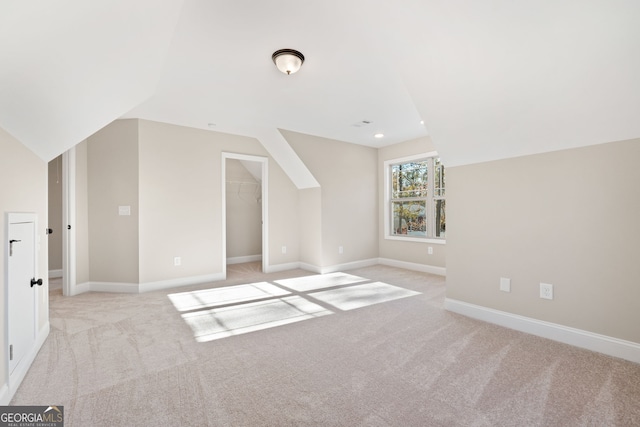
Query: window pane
438,175
409,180
409,218
440,217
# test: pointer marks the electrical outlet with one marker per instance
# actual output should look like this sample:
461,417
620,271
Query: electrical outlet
546,291
340,250
430,250
284,249
177,261
505,284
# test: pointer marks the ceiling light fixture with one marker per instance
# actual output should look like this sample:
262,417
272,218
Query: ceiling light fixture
288,60
379,135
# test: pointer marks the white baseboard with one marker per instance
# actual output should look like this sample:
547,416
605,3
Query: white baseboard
349,265
4,395
616,347
126,288
440,271
54,274
338,267
196,280
243,259
81,288
9,389
182,281
134,288
282,267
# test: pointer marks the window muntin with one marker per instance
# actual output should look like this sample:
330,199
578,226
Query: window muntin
417,198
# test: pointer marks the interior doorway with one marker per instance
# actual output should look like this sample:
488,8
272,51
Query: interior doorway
245,213
61,226
54,225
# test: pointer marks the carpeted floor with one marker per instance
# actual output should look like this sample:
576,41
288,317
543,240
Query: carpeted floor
396,360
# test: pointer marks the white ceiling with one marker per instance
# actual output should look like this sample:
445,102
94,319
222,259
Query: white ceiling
490,79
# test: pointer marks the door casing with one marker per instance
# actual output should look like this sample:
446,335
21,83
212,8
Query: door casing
264,161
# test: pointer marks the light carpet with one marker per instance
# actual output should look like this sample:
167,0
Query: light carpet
133,360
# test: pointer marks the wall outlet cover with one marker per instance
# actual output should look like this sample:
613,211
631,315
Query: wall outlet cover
546,291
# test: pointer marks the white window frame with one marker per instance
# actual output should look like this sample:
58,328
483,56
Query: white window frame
387,201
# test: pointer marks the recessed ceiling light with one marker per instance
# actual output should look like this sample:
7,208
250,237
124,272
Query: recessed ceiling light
379,135
421,122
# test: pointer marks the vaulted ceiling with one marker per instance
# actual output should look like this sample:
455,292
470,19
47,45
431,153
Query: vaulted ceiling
490,79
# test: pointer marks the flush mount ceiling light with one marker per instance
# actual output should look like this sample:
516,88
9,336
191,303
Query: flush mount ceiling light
378,135
288,60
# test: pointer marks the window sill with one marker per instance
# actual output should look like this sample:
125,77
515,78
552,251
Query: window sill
430,241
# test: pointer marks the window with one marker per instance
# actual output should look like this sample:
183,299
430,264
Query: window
416,198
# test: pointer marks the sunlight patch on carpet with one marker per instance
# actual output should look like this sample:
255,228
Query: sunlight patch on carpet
352,297
320,281
209,325
186,301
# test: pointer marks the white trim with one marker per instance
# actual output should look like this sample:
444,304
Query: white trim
611,346
4,395
117,287
309,267
440,271
9,389
387,200
338,267
80,288
410,158
283,267
54,274
182,281
243,259
69,219
429,240
134,288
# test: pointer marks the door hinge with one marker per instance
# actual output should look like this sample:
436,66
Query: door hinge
11,352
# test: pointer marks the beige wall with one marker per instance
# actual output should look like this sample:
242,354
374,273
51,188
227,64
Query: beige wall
244,211
310,232
23,188
413,252
112,176
181,201
55,213
348,178
283,217
569,218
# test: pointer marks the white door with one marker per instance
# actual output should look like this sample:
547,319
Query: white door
21,292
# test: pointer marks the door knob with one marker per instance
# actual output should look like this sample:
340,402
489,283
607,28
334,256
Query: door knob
36,282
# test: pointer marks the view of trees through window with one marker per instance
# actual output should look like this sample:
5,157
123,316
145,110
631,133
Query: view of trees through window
418,198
